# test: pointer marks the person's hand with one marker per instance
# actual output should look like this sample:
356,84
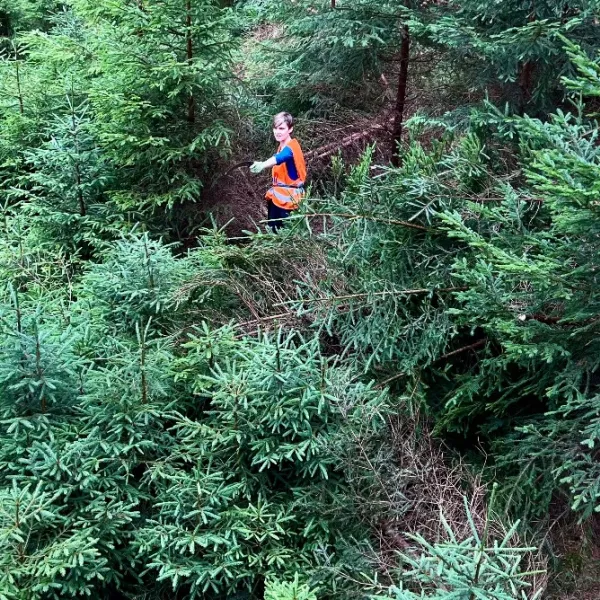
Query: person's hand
257,167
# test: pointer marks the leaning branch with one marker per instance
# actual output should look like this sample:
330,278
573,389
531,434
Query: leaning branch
369,218
324,151
372,294
260,320
473,346
477,344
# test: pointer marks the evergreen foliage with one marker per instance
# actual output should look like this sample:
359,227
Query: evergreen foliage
239,419
64,190
23,15
513,50
330,54
231,497
294,590
119,102
137,457
160,96
478,284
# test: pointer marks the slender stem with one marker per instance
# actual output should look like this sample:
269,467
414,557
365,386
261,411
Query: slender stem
401,96
463,349
82,209
382,293
38,368
18,312
191,115
19,92
370,218
151,282
143,365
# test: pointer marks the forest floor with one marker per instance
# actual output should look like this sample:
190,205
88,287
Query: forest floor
577,574
576,582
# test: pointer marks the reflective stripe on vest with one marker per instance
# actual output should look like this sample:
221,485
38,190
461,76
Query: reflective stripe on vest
286,196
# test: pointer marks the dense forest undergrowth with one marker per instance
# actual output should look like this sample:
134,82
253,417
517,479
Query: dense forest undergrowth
397,396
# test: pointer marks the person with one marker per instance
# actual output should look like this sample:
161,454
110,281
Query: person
289,173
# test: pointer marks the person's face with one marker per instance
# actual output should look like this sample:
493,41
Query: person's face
282,132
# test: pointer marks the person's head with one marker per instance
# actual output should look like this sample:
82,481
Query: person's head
283,125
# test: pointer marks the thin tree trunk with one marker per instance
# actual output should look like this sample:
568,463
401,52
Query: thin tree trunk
401,96
19,93
79,192
151,281
526,84
39,369
526,73
191,116
140,4
144,382
80,198
19,317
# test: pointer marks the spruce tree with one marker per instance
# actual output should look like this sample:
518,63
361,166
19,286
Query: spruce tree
512,50
160,95
272,417
67,183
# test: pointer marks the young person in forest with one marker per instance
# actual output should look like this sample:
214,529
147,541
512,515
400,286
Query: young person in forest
289,172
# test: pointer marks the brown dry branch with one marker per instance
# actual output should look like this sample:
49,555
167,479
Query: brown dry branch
473,346
262,276
326,150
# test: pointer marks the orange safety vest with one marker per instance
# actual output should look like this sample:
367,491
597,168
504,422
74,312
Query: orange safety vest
285,191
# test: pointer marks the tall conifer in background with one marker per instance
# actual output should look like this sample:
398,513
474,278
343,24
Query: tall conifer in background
512,50
24,15
159,93
148,86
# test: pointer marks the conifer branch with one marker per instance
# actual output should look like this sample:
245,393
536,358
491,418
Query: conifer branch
371,294
327,149
371,218
473,346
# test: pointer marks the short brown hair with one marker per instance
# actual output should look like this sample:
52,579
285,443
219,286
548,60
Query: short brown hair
285,117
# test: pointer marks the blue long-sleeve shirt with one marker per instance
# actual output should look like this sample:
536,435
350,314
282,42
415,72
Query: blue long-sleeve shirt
285,155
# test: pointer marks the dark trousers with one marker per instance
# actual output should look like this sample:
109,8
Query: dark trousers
276,216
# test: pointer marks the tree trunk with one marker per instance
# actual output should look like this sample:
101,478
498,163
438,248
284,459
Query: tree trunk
18,74
526,85
526,72
39,369
4,24
80,198
400,96
191,114
76,164
144,382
